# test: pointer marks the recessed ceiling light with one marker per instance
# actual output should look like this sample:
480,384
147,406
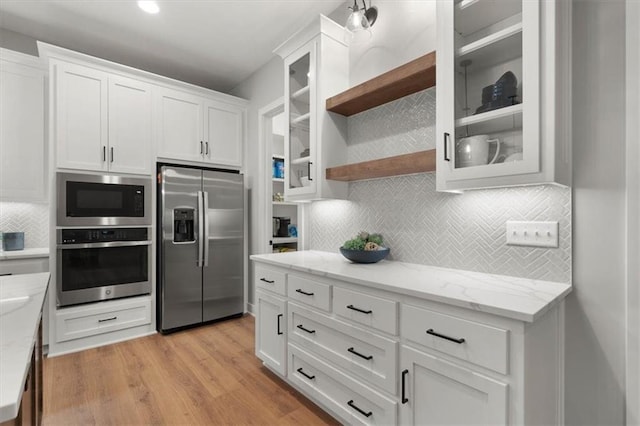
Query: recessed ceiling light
149,6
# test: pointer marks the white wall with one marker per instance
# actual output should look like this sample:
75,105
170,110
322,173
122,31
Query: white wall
595,311
18,42
261,88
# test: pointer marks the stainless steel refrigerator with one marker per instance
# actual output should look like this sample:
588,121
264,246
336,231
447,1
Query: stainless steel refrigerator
201,250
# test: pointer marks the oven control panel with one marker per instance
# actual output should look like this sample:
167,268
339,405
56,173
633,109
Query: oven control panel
101,235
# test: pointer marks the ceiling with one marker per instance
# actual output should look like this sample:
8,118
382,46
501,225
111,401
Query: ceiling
211,43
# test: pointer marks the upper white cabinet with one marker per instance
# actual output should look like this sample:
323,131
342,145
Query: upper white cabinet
102,121
195,128
316,67
23,149
502,106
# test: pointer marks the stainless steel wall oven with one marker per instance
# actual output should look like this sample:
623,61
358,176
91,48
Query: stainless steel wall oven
102,263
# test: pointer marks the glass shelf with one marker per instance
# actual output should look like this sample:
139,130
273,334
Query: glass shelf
301,160
475,15
490,115
301,95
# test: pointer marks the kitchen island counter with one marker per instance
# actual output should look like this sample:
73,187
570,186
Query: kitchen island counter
512,297
21,302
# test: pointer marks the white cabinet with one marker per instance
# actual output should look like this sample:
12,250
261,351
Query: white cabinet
271,342
502,93
437,392
102,121
23,149
195,128
316,62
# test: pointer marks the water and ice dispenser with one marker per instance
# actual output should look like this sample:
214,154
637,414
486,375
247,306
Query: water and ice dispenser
184,225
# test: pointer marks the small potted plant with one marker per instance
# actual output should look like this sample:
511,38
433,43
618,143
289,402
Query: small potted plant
365,248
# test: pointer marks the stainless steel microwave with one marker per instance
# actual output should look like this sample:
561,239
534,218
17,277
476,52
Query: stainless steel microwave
99,200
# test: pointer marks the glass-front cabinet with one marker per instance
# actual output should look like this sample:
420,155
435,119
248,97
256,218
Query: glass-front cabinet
316,64
497,90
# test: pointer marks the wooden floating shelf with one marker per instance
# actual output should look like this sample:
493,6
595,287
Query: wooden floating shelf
416,162
407,79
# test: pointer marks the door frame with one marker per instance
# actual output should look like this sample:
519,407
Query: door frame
633,212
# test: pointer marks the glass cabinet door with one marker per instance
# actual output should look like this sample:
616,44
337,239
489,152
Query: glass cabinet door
300,111
492,61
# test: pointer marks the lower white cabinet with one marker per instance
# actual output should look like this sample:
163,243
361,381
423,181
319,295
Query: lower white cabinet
438,392
104,317
271,342
372,356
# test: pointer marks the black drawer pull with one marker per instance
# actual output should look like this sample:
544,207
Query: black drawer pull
301,291
108,319
353,308
404,395
364,413
299,370
279,332
442,336
367,357
267,281
304,329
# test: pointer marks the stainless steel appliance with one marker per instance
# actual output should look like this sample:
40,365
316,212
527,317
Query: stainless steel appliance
99,200
102,263
201,250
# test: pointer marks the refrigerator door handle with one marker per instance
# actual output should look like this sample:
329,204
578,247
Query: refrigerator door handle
200,227
205,219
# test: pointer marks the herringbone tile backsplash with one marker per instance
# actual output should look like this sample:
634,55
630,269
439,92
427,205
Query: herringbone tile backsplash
30,218
462,231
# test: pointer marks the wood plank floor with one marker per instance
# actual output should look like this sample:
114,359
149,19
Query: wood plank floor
208,375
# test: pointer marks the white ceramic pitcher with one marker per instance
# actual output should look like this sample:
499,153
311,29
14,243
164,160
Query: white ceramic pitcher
474,151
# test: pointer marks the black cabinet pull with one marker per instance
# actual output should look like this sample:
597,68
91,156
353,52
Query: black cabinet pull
108,319
359,410
404,395
267,281
112,154
279,331
206,148
353,351
305,329
309,170
442,336
104,153
201,148
353,308
446,146
299,370
299,290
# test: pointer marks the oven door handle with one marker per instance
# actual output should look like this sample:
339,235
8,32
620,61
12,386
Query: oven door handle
104,245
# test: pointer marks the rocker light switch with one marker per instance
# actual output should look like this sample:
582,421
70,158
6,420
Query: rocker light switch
534,234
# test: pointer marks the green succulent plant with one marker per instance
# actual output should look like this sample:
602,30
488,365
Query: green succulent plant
364,241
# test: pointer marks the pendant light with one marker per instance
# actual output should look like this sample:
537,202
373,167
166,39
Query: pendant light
360,21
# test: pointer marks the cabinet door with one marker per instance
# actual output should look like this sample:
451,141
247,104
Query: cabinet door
180,126
81,117
271,326
22,130
223,133
437,392
301,117
488,93
129,126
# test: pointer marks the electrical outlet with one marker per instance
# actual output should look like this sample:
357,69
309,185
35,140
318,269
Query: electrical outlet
534,234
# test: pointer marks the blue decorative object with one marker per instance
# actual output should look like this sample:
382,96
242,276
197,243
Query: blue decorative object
293,231
365,256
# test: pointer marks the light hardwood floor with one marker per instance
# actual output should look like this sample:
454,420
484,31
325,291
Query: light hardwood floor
207,375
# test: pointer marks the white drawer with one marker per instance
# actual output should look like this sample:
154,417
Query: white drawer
310,292
362,353
83,321
376,312
270,279
351,400
480,344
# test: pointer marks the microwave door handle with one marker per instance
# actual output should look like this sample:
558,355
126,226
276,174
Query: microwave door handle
200,227
205,219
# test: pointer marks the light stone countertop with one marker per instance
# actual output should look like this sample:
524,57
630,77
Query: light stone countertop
512,297
24,254
21,301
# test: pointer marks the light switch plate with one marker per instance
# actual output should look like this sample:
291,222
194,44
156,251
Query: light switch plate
534,234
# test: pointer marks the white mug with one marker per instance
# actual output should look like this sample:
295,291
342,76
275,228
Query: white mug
474,151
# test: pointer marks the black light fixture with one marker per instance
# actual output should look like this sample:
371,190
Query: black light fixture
360,20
